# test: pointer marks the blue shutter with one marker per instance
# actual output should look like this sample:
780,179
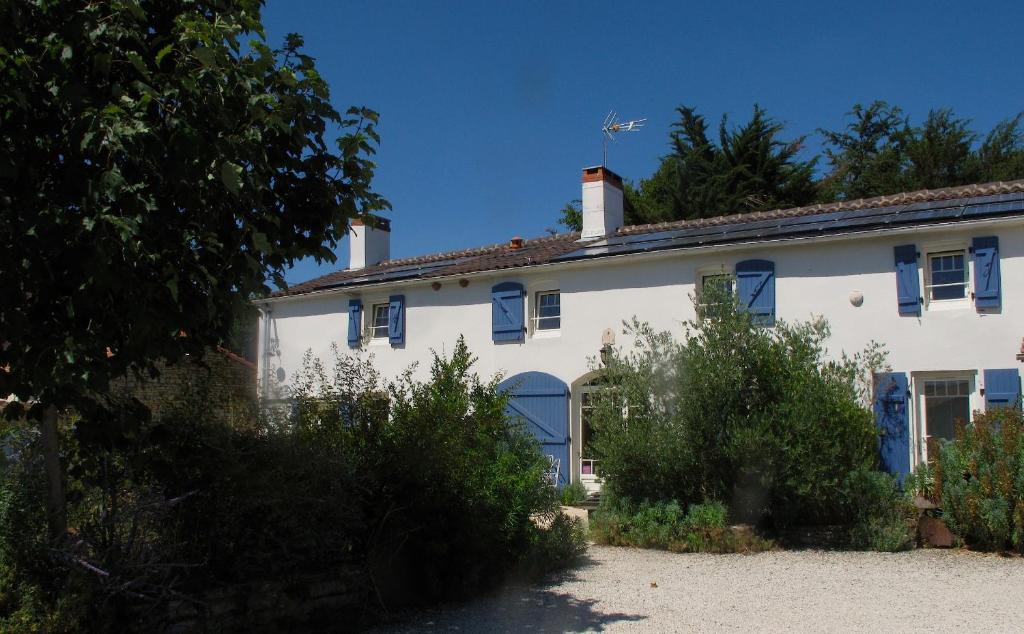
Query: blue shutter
507,312
396,320
355,319
908,285
541,403
987,293
893,423
755,288
1002,388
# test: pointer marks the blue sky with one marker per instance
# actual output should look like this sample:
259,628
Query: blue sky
489,110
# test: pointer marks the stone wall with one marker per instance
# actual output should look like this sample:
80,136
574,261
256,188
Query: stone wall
301,604
228,380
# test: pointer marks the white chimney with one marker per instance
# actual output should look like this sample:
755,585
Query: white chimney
369,245
602,202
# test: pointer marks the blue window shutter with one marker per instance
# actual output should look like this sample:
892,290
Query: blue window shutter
908,285
987,292
1002,388
507,312
755,288
893,423
355,320
396,320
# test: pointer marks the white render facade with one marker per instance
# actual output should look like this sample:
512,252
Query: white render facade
848,277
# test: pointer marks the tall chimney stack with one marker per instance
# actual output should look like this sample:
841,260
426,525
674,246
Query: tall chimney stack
602,202
369,245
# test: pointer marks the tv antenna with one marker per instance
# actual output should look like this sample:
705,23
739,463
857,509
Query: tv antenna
613,126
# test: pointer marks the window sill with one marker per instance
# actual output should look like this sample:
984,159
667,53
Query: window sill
379,341
546,334
939,305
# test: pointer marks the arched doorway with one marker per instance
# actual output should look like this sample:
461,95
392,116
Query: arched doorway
541,401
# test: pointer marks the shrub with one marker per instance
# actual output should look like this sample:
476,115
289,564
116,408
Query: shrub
422,484
573,494
556,547
883,518
702,528
981,479
754,416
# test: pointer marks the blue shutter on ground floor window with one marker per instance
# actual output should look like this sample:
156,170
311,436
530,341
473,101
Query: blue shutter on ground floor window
893,422
1002,388
987,292
908,284
507,312
755,288
396,320
355,319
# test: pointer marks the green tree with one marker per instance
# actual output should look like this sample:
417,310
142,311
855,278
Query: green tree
1001,155
939,152
159,163
749,169
869,156
879,152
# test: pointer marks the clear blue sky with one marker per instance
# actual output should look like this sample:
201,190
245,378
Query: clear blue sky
490,109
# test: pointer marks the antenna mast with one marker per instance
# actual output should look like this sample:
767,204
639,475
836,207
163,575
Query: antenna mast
613,126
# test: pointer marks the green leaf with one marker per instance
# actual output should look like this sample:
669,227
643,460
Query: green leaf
259,240
66,52
205,55
162,53
231,176
137,62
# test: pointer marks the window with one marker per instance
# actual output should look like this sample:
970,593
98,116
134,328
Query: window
379,325
716,291
548,311
947,275
947,402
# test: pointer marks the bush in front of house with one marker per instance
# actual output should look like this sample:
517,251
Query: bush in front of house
980,477
701,528
883,518
573,494
420,484
752,416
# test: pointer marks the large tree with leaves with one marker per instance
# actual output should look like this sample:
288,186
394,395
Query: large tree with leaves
880,152
159,162
749,168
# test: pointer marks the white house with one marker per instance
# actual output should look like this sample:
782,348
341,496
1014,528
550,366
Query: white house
936,275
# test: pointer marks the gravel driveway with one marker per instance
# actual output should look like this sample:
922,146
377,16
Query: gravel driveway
620,589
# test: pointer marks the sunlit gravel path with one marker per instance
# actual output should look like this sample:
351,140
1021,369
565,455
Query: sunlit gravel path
619,590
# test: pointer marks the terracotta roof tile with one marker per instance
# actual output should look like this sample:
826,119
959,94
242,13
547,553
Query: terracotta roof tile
544,249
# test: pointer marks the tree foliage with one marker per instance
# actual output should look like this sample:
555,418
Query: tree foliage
751,168
160,161
880,152
754,417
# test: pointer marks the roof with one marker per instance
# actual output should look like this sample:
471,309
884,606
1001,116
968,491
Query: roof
930,206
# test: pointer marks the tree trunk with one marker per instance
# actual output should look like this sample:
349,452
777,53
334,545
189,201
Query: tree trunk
56,509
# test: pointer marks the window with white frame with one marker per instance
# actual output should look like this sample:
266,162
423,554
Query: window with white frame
379,323
947,403
947,275
547,311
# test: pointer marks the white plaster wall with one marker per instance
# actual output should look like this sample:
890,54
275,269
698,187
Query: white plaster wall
813,277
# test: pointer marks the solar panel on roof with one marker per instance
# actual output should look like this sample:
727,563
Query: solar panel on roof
796,226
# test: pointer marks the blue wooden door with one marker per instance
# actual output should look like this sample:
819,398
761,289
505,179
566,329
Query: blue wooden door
893,423
541,402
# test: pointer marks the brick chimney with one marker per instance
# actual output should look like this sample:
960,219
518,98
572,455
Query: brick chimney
369,245
602,202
